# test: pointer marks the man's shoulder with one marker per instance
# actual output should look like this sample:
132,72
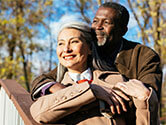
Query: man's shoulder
130,43
137,46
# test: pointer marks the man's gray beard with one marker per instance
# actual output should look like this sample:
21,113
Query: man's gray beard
103,42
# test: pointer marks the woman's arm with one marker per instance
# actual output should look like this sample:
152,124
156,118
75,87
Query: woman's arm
51,108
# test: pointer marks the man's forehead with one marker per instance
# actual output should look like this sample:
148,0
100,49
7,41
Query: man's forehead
105,12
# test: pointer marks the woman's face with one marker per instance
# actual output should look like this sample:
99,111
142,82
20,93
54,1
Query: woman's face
72,50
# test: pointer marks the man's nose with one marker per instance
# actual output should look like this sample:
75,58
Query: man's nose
99,26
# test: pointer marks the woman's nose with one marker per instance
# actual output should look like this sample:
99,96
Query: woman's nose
67,48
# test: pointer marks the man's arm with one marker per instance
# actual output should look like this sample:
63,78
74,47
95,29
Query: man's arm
42,81
149,69
145,101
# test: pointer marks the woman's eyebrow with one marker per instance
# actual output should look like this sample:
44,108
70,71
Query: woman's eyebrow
70,38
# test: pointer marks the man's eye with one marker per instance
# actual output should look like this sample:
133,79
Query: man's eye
107,22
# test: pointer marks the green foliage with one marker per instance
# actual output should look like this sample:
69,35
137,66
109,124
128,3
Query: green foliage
18,22
150,18
9,66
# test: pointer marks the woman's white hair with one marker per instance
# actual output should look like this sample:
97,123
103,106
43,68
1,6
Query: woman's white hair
76,25
86,32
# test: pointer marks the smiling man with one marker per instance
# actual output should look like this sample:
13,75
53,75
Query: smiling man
133,60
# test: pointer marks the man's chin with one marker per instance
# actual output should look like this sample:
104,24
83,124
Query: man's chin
101,42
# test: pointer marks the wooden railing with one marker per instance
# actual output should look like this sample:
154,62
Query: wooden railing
15,102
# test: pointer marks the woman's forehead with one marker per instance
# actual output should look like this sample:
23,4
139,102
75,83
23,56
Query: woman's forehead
70,33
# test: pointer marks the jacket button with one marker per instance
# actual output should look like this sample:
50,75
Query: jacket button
64,98
80,90
71,94
56,101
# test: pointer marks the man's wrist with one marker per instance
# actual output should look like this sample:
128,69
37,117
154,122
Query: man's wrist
55,87
45,89
145,96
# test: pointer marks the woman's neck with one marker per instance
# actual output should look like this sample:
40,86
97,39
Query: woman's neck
78,71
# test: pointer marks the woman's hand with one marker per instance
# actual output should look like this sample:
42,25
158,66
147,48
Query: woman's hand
134,88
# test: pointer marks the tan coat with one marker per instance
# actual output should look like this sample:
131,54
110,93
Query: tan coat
77,104
134,61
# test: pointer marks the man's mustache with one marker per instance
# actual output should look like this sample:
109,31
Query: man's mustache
100,33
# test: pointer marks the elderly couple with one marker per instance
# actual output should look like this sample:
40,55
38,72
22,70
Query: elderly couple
102,78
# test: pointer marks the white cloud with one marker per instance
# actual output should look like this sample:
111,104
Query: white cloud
132,22
64,19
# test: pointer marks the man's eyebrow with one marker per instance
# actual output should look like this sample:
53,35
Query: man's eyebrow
105,18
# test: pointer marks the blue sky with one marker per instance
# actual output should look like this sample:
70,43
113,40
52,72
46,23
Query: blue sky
67,13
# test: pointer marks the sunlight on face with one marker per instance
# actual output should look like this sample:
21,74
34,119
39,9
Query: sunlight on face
104,25
72,50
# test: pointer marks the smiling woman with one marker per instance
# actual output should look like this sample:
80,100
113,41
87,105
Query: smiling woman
73,50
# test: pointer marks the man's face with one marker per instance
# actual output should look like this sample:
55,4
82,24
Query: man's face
105,26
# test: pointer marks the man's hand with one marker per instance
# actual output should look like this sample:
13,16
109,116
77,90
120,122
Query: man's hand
134,88
57,86
108,95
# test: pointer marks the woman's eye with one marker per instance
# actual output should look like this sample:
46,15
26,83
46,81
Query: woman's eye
59,44
75,41
94,21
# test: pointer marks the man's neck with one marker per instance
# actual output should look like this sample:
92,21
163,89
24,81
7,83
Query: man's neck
108,50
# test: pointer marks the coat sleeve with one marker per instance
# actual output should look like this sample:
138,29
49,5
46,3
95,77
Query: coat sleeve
51,108
39,82
149,69
147,110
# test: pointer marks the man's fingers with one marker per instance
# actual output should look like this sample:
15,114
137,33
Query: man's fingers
121,103
112,108
114,104
121,94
